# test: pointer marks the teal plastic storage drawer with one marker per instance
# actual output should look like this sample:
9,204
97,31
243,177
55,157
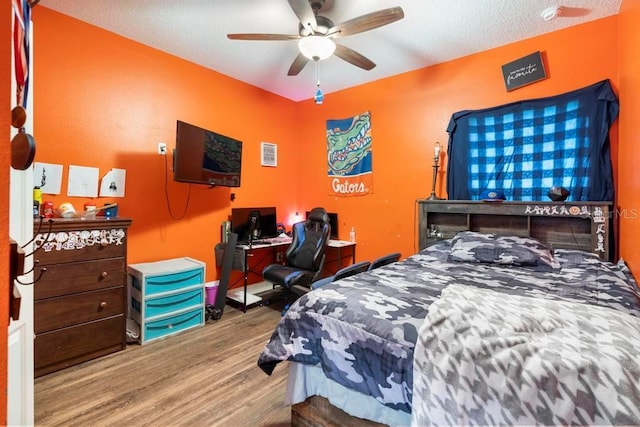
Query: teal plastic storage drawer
166,276
170,303
166,297
170,325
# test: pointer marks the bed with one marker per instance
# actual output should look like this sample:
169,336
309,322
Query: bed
477,329
509,313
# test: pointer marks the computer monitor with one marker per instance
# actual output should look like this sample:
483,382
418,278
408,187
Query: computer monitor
261,220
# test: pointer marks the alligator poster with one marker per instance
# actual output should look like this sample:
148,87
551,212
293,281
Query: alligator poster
349,156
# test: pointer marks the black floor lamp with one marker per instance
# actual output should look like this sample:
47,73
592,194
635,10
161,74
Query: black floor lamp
436,158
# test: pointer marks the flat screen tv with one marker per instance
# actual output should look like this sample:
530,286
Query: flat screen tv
333,222
264,227
206,157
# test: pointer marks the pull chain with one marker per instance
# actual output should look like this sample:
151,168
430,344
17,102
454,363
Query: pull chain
319,95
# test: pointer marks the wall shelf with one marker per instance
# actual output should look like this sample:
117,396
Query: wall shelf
584,226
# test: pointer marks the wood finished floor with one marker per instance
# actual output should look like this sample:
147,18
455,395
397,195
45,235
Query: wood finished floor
207,376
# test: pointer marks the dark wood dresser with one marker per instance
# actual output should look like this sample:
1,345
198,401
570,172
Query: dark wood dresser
80,292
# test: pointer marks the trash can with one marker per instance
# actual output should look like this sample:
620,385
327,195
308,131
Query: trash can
211,289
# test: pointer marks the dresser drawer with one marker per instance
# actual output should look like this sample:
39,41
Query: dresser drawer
167,282
166,304
80,245
171,324
60,312
69,346
62,279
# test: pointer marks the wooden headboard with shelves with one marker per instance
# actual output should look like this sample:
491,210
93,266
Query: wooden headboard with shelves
585,226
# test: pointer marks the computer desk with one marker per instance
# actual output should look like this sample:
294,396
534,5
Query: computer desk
250,260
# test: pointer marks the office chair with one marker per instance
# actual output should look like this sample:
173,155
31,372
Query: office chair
305,256
384,260
347,271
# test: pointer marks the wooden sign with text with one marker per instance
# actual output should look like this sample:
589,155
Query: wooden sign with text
523,71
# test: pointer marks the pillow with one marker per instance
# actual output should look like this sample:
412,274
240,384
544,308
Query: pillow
575,258
471,246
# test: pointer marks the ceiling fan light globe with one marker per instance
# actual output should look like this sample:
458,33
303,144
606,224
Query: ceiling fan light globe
316,47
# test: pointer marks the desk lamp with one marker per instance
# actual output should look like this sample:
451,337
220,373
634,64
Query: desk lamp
436,158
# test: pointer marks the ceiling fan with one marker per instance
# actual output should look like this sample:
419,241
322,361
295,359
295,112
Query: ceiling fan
316,34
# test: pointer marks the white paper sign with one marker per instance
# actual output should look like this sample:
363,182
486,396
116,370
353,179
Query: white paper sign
48,177
112,184
83,181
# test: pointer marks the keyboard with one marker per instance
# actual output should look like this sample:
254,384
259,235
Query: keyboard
260,242
281,240
269,241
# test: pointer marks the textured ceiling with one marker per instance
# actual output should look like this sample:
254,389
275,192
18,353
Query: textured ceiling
432,31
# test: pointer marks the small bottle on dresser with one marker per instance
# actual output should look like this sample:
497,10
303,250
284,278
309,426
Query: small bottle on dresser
352,234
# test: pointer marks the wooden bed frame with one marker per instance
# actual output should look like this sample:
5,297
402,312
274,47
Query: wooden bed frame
316,411
586,226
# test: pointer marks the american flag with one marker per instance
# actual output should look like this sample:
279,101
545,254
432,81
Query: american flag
21,21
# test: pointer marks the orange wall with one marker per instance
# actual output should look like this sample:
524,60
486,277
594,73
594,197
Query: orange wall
628,176
94,110
410,112
7,101
105,101
102,100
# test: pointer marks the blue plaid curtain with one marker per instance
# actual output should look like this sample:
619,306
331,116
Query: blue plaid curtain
524,148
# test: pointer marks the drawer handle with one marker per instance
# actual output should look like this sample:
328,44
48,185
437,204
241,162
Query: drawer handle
103,304
104,274
104,243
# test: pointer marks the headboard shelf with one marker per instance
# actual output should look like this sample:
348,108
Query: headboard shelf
585,226
518,225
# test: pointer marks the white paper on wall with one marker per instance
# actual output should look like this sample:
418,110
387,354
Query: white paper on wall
83,181
48,177
112,184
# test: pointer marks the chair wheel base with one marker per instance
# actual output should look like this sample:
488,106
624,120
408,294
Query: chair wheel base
284,310
212,312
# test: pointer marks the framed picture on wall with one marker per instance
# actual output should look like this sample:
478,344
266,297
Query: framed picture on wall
523,71
269,154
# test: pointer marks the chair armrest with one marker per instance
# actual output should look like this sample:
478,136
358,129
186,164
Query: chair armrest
322,282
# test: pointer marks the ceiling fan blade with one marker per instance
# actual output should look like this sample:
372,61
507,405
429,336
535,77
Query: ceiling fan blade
297,65
304,12
353,57
367,22
257,36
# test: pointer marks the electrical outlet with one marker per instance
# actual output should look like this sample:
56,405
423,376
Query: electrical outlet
162,148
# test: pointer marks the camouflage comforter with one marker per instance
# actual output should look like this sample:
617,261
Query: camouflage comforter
362,330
